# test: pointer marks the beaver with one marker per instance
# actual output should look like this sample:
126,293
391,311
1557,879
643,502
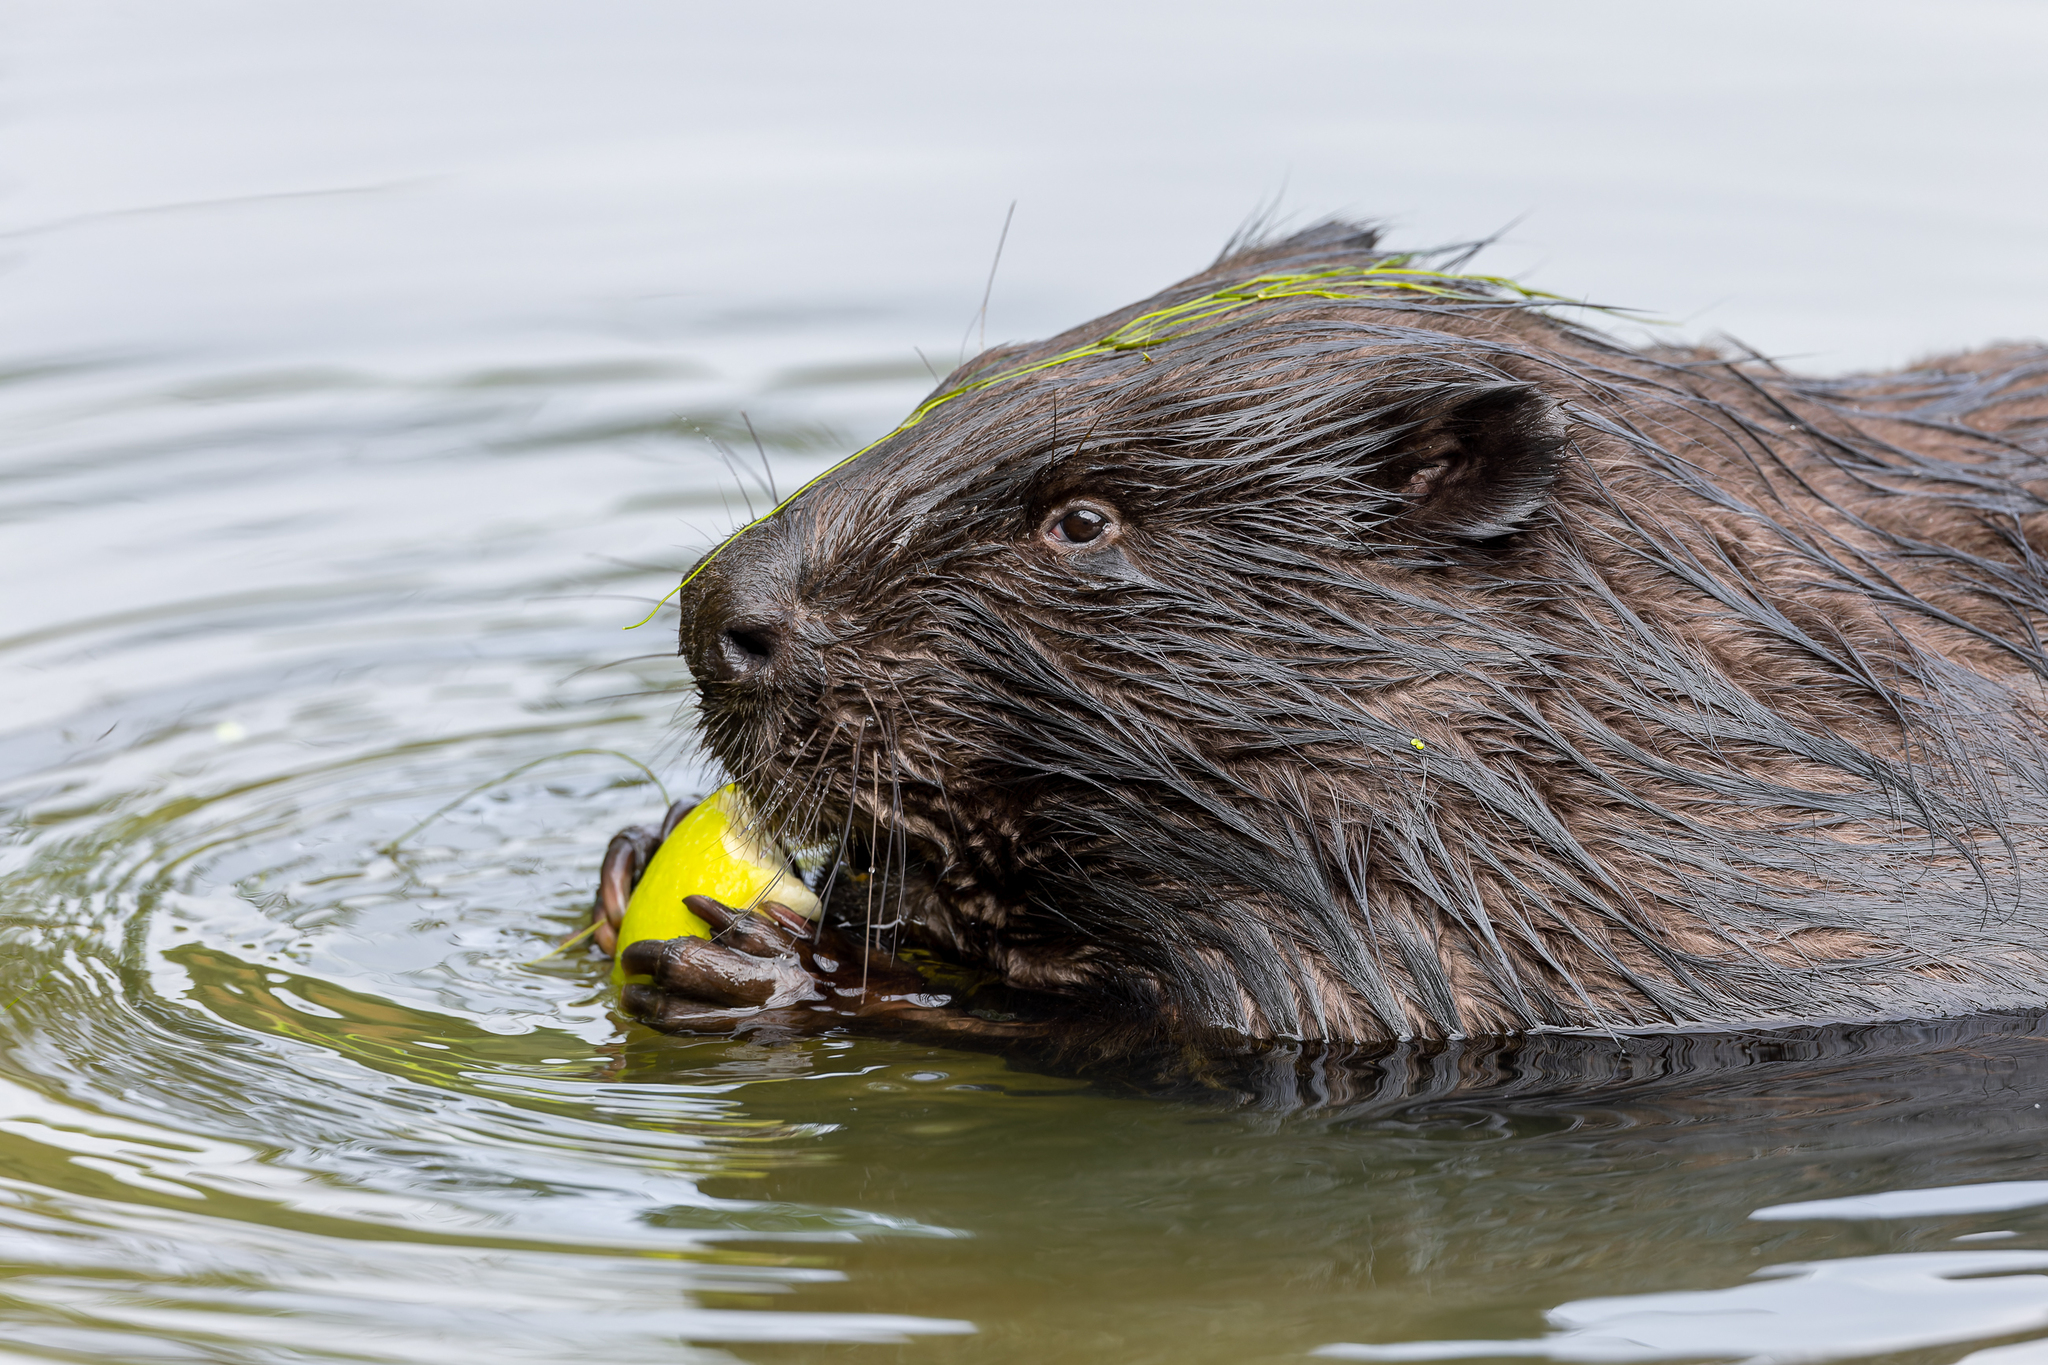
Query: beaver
1336,646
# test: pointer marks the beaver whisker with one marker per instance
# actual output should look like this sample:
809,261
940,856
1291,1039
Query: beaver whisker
841,851
792,813
766,811
933,771
877,883
900,840
889,863
893,860
744,776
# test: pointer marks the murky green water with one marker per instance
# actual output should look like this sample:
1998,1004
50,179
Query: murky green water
358,372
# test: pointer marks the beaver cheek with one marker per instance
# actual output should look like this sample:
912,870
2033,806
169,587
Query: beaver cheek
1108,567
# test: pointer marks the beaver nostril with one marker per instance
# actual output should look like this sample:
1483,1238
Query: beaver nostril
749,649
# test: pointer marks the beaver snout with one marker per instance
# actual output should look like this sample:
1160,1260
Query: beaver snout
747,648
739,616
738,636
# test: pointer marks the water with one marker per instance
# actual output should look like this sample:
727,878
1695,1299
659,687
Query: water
359,367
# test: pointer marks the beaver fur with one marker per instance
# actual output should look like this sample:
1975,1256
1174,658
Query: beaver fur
1383,664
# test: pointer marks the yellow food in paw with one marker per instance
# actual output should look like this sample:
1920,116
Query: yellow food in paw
716,851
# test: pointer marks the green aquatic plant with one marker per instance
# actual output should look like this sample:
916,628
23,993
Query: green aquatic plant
1162,326
390,850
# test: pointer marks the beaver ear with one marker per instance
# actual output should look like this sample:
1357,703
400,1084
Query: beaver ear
1477,461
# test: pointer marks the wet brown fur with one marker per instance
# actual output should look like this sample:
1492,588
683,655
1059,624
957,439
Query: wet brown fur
1728,681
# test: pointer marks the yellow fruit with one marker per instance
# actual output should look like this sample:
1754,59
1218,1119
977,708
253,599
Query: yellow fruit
716,851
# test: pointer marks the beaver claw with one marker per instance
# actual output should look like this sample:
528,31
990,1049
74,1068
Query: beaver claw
625,859
773,968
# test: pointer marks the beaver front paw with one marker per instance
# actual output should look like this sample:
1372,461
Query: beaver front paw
625,861
771,969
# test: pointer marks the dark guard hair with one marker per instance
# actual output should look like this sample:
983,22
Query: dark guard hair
1392,660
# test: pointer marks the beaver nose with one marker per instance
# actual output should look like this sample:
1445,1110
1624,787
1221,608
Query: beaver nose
743,617
749,648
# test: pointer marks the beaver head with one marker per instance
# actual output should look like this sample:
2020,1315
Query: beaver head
1335,647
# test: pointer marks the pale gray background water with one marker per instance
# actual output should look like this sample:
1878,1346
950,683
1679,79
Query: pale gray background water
357,369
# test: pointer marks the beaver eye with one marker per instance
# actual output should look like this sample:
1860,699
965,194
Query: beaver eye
1081,525
1077,526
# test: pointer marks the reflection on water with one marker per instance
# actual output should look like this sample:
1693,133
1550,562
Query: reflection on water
1820,1310
1813,1311
360,373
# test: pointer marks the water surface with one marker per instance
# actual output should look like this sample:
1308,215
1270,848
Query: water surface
363,370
